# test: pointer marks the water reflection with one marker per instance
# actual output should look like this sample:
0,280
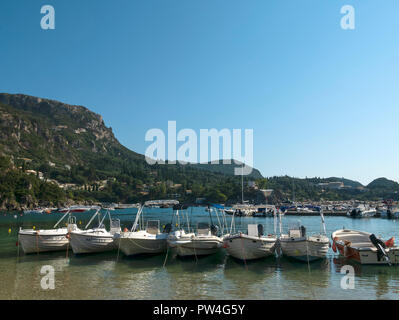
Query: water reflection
304,281
218,276
199,278
249,279
381,280
26,282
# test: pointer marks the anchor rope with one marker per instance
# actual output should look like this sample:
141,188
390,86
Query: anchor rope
307,255
243,251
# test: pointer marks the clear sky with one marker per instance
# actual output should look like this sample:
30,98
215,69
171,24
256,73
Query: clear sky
322,101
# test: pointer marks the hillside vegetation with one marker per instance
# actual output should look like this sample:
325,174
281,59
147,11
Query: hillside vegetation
54,153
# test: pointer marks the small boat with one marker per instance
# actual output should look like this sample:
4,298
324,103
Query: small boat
34,211
78,209
97,239
41,211
390,212
362,211
305,210
151,240
300,246
203,242
56,239
364,247
148,240
253,245
121,206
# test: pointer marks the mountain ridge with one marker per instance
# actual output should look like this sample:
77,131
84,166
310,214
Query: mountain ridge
72,147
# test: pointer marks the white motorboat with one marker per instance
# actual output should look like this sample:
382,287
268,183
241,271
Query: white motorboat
364,247
78,209
253,245
204,241
362,211
97,239
304,210
151,240
40,211
56,239
300,246
148,240
390,212
34,211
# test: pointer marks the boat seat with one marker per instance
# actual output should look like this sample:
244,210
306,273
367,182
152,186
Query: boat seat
203,232
362,245
152,230
253,230
294,233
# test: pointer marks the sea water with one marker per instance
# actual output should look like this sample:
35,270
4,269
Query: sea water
114,276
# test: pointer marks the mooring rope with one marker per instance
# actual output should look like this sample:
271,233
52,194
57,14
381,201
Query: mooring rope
195,253
69,239
307,255
243,251
166,256
134,241
18,244
37,242
119,246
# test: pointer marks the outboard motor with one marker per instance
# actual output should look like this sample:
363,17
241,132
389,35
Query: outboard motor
303,231
214,230
260,230
380,245
168,228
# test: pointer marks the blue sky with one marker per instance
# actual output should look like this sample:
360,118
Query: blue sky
322,101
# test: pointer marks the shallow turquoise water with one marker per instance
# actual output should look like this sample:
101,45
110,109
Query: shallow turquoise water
107,276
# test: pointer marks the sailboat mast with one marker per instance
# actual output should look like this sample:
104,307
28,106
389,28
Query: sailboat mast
242,184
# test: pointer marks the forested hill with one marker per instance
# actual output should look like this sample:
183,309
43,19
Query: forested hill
71,147
227,168
53,153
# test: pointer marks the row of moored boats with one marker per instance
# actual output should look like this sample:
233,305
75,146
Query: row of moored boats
149,237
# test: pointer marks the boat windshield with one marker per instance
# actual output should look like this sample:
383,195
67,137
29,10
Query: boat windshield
152,227
295,230
115,226
203,228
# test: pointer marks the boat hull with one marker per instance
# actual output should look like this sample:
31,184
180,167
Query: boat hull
196,247
356,246
90,243
392,214
303,249
368,256
244,247
134,246
37,243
